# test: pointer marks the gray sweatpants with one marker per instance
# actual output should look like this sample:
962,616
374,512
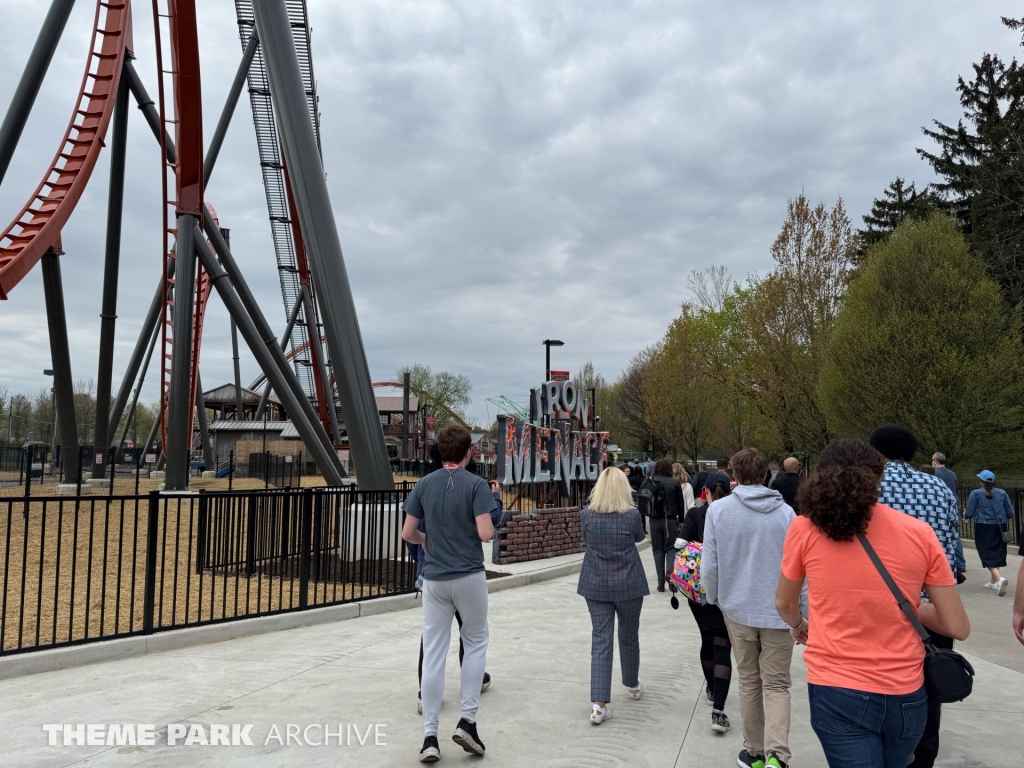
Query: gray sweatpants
441,599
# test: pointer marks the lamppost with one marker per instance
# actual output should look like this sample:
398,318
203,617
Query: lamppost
53,431
548,344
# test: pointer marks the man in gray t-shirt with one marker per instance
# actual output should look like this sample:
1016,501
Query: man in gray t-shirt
455,508
448,502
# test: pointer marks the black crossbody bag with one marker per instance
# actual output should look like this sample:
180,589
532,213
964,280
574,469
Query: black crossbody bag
948,676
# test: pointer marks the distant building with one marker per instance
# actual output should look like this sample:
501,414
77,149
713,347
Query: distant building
224,405
485,448
280,437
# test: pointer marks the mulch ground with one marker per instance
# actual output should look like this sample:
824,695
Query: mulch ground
75,569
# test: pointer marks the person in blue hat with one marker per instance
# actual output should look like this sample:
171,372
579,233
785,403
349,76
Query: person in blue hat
991,510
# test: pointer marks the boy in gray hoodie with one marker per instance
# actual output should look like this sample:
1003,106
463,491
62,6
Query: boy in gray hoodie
740,567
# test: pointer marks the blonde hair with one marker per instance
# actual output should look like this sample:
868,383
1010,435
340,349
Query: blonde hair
612,492
679,473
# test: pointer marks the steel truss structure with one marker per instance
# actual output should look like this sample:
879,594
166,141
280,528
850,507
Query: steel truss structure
196,259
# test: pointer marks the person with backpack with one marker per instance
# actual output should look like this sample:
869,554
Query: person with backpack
660,498
715,648
865,659
743,537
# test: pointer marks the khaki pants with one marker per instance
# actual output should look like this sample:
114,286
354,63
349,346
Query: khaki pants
763,657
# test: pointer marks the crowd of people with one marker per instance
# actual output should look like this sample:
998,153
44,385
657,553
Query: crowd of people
781,559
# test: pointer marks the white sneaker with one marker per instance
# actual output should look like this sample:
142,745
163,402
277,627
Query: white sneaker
419,707
600,714
1000,586
989,585
636,693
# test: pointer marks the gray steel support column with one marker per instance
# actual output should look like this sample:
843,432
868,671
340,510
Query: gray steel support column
31,79
152,433
149,325
292,317
277,376
220,245
138,390
180,403
147,107
245,295
204,427
405,415
60,356
229,108
239,408
323,246
239,411
111,266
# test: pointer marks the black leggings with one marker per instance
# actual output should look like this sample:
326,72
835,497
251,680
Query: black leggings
715,651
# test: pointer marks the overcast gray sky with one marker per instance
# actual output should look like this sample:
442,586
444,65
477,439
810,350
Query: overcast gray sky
505,172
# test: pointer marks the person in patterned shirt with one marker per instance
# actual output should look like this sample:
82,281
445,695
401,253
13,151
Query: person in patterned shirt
927,498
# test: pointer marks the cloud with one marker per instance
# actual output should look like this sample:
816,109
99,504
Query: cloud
506,172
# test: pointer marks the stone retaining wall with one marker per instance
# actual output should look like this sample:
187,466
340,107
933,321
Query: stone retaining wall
542,533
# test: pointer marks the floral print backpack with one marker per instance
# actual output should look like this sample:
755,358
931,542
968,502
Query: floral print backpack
686,573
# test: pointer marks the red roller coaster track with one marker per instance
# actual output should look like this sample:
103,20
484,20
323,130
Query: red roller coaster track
190,229
38,225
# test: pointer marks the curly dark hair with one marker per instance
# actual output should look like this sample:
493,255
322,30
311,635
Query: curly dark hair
839,496
663,468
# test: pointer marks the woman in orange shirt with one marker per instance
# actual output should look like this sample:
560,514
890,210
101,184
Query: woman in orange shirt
865,662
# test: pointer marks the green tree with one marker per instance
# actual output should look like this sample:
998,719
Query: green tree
925,340
446,390
784,322
979,160
21,413
681,388
627,409
899,201
85,411
587,379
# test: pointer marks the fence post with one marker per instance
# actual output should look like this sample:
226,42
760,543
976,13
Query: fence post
266,469
201,536
148,622
29,451
250,536
305,546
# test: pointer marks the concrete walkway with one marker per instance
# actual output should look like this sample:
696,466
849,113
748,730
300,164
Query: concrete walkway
362,672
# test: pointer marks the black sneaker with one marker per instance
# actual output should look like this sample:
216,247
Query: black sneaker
710,695
486,684
719,722
747,760
467,738
431,751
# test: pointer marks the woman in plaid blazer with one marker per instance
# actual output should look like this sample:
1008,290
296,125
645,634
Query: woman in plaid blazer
613,581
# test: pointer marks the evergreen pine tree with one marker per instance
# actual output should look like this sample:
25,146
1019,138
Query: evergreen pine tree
981,162
899,201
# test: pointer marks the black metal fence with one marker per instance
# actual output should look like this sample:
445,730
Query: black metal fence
80,569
